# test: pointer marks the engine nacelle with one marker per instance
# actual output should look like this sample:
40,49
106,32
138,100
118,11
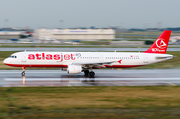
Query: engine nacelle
74,69
64,69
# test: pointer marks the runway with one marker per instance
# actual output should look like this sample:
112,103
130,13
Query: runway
104,77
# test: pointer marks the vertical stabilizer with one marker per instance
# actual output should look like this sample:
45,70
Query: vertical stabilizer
161,44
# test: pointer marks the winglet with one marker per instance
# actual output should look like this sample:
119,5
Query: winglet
161,44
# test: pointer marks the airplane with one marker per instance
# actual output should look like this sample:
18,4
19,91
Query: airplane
77,62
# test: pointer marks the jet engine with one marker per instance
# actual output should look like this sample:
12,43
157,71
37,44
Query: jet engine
74,69
64,69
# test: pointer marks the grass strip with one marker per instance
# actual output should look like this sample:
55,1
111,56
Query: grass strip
98,102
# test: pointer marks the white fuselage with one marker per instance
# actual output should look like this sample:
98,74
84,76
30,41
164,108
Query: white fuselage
63,59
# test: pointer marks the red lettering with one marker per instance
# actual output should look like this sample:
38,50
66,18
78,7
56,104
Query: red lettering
31,57
43,56
66,57
72,57
61,57
56,57
49,57
38,56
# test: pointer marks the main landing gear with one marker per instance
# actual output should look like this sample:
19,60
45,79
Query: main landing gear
91,74
23,73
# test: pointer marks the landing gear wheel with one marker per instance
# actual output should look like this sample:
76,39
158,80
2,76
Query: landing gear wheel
91,74
23,73
86,73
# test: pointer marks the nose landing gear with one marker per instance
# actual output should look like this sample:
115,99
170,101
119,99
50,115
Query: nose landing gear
23,73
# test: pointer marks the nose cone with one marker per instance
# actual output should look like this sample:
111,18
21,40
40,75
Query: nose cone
6,61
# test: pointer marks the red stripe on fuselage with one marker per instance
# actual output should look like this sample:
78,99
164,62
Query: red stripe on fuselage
28,65
122,66
44,65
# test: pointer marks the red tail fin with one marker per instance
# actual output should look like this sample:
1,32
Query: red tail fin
161,44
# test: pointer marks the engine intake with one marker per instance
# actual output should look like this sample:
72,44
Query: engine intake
74,69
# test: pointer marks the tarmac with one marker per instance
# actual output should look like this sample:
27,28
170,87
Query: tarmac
103,77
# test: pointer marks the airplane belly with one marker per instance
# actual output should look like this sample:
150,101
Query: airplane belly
126,63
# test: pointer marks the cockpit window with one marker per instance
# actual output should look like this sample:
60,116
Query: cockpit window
12,56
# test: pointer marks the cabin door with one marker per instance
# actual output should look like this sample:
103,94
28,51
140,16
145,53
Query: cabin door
145,58
24,57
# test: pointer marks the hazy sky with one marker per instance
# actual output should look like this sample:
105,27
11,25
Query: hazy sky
86,13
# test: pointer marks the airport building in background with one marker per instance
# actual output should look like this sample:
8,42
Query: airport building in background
74,34
15,33
10,34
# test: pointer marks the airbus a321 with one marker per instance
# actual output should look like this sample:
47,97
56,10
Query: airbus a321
77,62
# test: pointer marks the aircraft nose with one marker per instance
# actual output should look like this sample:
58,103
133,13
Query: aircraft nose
6,61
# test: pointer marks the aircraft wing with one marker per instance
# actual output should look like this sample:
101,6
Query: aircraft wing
93,64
